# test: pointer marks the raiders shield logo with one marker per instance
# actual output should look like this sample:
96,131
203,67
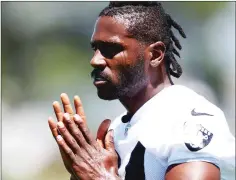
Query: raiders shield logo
196,136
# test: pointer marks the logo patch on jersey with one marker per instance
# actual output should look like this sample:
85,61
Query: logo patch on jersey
196,137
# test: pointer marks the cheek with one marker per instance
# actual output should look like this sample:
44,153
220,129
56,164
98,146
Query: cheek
126,59
122,59
120,64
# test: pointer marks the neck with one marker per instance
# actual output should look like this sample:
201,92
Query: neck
132,104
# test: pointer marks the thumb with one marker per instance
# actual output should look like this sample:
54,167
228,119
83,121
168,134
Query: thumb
102,131
109,141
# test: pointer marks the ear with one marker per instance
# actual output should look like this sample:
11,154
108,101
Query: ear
157,53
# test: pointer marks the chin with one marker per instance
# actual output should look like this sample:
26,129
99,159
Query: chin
107,95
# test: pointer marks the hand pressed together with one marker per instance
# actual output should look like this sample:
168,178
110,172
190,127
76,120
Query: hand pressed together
84,156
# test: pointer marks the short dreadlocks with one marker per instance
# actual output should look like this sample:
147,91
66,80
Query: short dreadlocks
148,23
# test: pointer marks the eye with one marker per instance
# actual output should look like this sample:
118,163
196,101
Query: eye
110,50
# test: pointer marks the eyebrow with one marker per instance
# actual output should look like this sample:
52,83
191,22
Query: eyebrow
99,42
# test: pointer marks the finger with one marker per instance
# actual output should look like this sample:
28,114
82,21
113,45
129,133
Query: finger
84,129
66,149
109,141
68,138
66,104
100,143
102,131
55,133
79,107
53,127
75,131
57,110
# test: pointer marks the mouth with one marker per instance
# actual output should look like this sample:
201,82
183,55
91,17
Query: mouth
98,78
99,81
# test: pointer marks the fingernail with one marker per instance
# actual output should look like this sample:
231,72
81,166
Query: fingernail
55,103
63,94
60,124
59,138
67,116
77,117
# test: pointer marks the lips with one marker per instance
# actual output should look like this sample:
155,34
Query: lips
99,79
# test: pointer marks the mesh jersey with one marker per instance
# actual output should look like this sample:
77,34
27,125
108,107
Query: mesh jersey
177,125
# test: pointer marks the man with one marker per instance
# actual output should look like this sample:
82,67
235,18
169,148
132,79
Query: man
168,132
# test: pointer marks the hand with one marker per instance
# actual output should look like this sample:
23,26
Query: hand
90,158
102,130
59,115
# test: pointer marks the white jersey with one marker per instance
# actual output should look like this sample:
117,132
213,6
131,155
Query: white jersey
175,126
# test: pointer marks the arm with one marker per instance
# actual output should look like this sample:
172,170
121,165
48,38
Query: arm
198,147
193,171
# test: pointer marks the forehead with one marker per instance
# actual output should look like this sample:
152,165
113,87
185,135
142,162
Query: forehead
110,29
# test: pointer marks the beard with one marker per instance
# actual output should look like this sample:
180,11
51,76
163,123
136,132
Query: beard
132,79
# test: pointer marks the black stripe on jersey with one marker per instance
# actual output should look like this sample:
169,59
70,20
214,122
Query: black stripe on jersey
135,167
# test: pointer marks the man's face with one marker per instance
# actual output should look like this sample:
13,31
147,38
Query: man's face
118,61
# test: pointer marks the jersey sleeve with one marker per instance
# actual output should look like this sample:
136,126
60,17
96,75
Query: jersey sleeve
202,136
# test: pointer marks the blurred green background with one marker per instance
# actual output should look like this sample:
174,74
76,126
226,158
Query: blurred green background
46,51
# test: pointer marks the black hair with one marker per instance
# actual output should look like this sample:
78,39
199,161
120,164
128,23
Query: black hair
148,23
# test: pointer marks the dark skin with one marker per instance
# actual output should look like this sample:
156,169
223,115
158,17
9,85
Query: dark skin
93,159
116,33
83,156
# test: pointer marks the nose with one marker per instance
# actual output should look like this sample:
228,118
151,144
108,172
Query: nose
98,60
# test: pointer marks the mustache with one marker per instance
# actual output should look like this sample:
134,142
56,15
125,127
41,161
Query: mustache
97,73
